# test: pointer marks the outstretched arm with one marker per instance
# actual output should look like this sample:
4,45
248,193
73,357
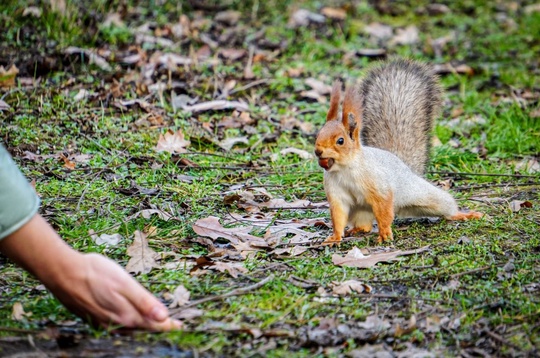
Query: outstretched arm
90,285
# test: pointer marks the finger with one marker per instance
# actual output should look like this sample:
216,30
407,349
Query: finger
146,303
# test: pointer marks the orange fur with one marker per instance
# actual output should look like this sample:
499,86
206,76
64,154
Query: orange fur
339,221
335,97
383,209
466,216
359,229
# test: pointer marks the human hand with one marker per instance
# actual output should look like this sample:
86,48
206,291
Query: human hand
90,285
99,290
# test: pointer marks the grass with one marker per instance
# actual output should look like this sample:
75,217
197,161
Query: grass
488,295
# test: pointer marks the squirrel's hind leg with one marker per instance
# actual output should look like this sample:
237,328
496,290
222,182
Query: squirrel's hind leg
362,222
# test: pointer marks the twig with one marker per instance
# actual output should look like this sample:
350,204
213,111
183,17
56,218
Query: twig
493,186
502,340
235,292
249,85
480,269
486,174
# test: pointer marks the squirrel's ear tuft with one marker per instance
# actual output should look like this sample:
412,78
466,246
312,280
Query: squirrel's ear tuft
335,97
352,111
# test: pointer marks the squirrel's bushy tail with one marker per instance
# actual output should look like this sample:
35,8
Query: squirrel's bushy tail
401,99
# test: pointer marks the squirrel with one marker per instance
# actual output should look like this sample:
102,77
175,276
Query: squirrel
375,156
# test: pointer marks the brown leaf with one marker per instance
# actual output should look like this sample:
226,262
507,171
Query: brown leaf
142,257
211,227
7,77
303,17
58,6
172,142
355,257
228,17
517,205
228,143
93,57
67,163
350,286
232,54
406,36
233,268
379,31
17,312
180,297
105,239
147,213
334,13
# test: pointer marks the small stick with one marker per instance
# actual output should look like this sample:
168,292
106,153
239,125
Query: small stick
235,292
487,174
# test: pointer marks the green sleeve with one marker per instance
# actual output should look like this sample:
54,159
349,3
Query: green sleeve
18,200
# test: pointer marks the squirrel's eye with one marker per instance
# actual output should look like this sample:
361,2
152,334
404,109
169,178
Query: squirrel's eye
340,141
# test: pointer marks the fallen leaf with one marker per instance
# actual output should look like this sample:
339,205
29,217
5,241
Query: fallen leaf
17,312
530,165
4,105
233,268
180,297
229,17
93,57
350,286
228,143
105,239
334,13
318,86
211,227
529,9
142,257
437,9
33,11
147,213
188,314
406,36
172,142
517,205
355,257
58,6
290,251
303,17
379,31
7,77
67,163
232,54
299,152
216,106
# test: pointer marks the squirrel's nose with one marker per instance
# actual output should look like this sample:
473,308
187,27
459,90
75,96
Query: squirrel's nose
318,152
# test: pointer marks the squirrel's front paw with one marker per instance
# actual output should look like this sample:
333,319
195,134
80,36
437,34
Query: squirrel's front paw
385,234
332,240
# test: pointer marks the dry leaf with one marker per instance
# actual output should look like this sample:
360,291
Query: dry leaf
379,31
334,13
303,154
355,257
58,6
17,313
172,142
147,213
67,163
229,17
350,286
232,54
233,268
517,205
4,105
318,86
33,11
211,227
142,257
228,143
304,17
216,106
7,77
188,314
105,239
406,36
93,57
180,297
